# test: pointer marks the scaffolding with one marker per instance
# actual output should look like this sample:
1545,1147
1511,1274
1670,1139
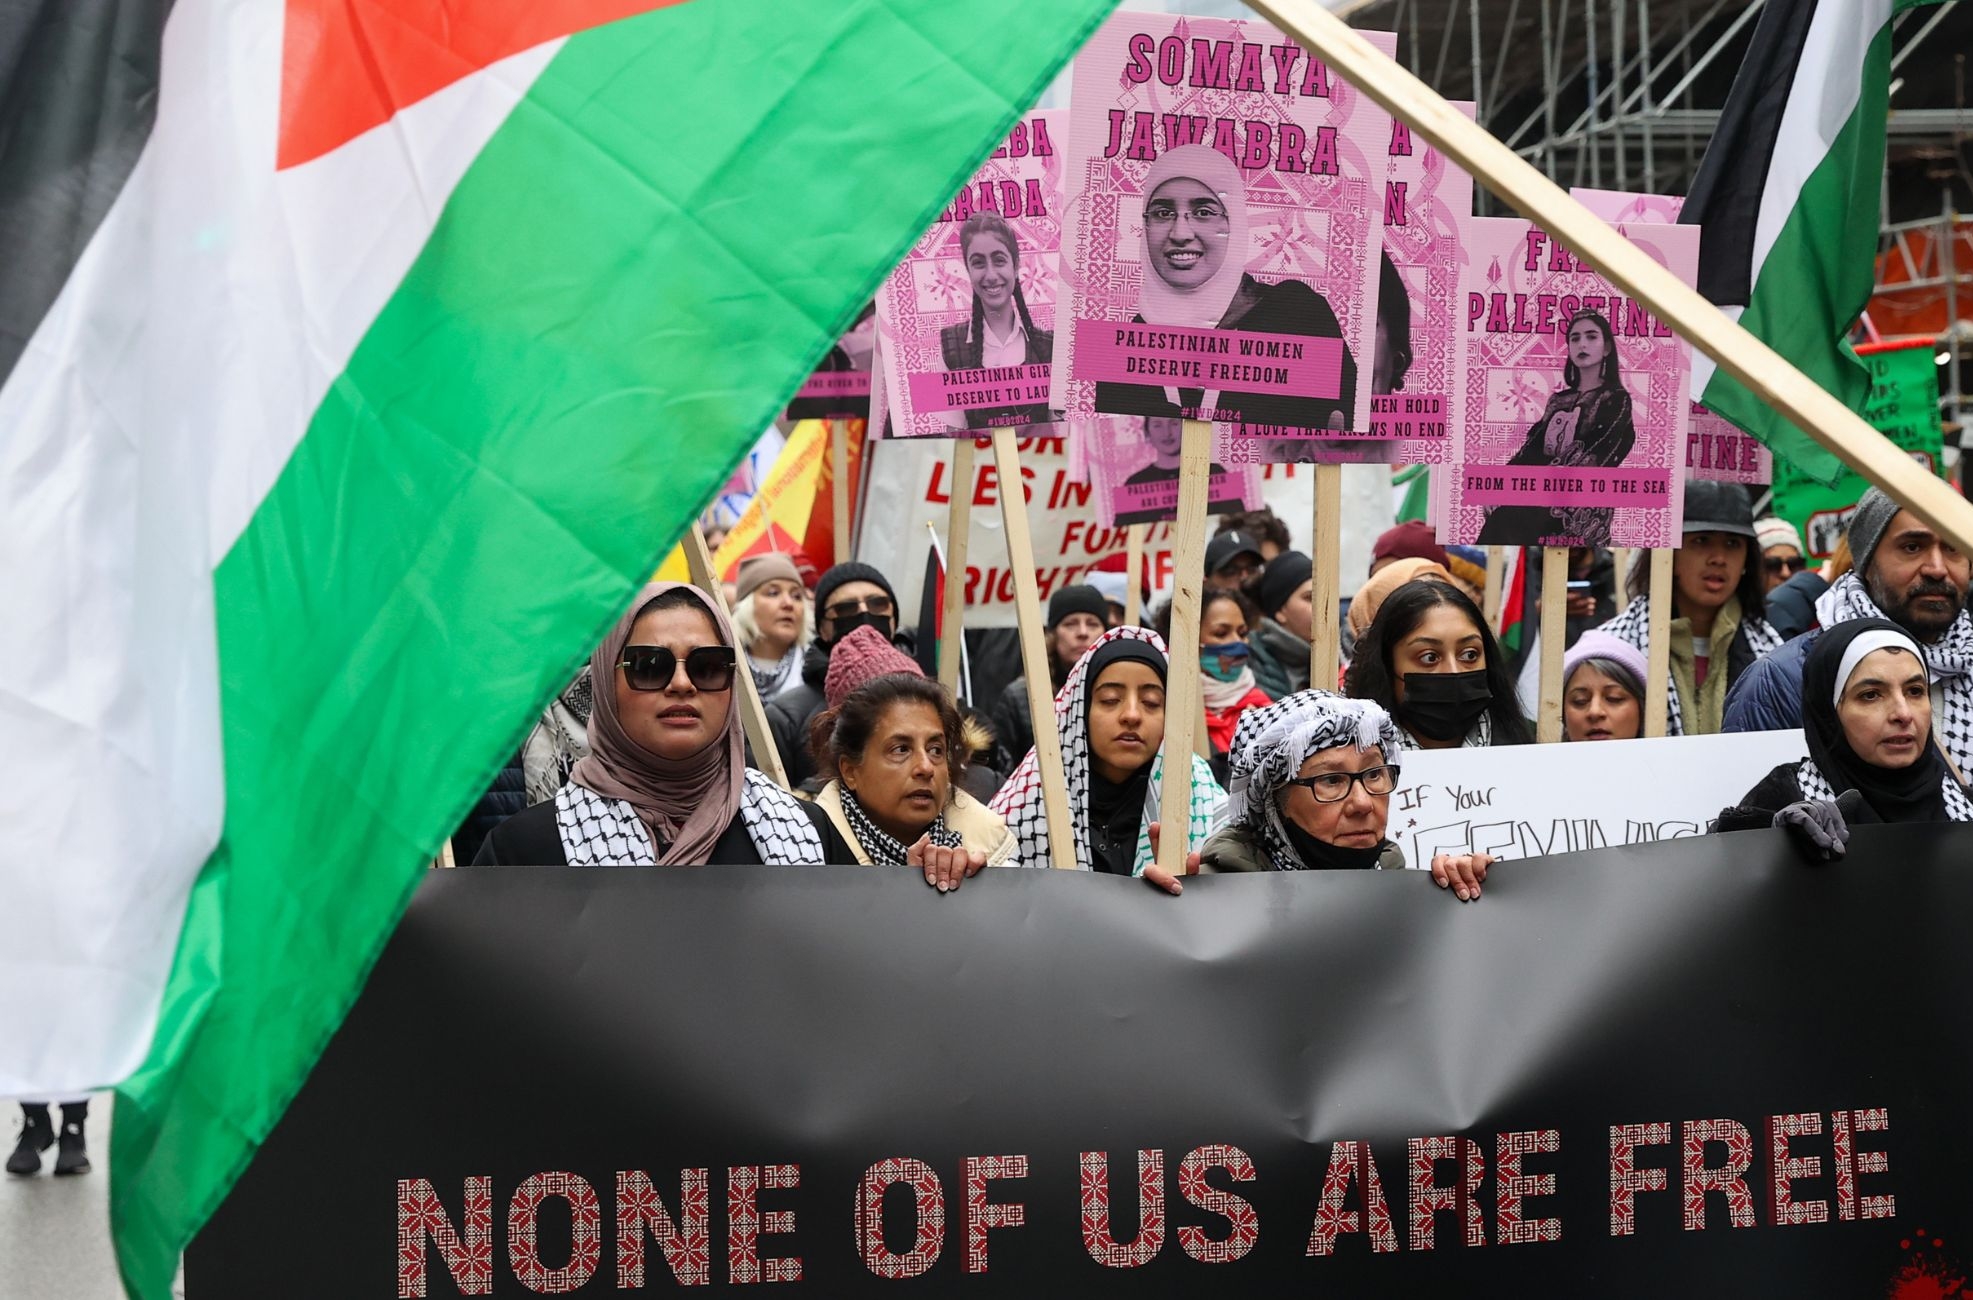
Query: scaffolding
1625,95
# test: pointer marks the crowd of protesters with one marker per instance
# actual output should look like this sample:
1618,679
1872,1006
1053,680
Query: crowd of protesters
643,759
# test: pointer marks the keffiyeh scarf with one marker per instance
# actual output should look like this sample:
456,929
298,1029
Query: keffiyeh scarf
1949,663
598,831
1634,626
1271,745
1816,786
880,846
1020,801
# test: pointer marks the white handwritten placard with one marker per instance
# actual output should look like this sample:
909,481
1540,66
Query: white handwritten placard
1528,801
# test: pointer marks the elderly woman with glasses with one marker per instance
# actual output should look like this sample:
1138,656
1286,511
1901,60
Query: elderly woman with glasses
666,781
1312,782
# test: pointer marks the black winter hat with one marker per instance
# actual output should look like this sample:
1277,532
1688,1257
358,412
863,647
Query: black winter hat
848,571
1284,574
1078,599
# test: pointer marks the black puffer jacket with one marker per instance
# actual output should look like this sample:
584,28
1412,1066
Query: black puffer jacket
790,712
506,796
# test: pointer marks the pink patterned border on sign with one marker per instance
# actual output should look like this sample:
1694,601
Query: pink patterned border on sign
1547,452
943,377
1298,158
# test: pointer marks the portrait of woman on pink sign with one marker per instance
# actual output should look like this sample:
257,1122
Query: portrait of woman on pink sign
1586,424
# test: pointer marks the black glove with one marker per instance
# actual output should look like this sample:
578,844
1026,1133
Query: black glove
1820,828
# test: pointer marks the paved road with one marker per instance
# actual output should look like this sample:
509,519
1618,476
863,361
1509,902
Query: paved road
55,1232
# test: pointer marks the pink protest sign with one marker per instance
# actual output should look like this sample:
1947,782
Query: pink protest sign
1221,253
968,316
1570,408
1714,449
839,388
1427,201
1133,469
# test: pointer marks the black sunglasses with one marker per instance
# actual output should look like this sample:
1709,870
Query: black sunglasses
1333,787
1785,563
651,667
878,605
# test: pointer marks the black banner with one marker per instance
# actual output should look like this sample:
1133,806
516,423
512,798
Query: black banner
1697,1068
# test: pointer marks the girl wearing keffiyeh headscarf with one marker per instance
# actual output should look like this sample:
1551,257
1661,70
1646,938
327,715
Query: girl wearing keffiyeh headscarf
1110,717
666,781
1312,781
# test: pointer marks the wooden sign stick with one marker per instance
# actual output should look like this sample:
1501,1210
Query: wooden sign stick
1184,700
1325,646
1658,658
753,714
1554,632
1765,373
1496,592
1034,652
1620,562
1133,574
839,485
958,533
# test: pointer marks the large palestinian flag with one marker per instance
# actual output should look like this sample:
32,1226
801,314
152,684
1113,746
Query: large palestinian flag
1788,193
358,358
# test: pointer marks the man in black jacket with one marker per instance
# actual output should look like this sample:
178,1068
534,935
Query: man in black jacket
1077,615
848,596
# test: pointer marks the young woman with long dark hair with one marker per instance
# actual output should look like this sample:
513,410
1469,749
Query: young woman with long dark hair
1431,661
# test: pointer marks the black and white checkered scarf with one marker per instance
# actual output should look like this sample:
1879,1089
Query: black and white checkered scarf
1271,744
1816,786
598,831
879,845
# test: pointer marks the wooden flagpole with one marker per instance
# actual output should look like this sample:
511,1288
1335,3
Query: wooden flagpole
1325,646
1133,574
753,715
1554,632
958,535
1184,700
839,485
1658,657
1765,373
1034,652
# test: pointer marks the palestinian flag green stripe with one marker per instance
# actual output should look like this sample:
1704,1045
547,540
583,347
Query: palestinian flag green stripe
629,280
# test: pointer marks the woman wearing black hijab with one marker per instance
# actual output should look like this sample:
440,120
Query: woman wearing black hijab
1867,716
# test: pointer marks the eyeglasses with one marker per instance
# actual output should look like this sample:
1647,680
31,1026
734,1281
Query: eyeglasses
1333,787
651,667
1785,563
878,605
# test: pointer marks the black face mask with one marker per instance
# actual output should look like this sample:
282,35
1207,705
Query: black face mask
862,618
1317,855
1444,706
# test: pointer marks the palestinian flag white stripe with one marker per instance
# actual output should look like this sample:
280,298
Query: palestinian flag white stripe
146,420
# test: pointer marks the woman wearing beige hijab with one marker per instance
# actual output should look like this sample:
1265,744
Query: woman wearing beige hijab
666,781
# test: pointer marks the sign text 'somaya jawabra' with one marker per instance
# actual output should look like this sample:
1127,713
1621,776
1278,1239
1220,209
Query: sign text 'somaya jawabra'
967,320
1133,469
1714,449
1570,406
1221,253
1698,1067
